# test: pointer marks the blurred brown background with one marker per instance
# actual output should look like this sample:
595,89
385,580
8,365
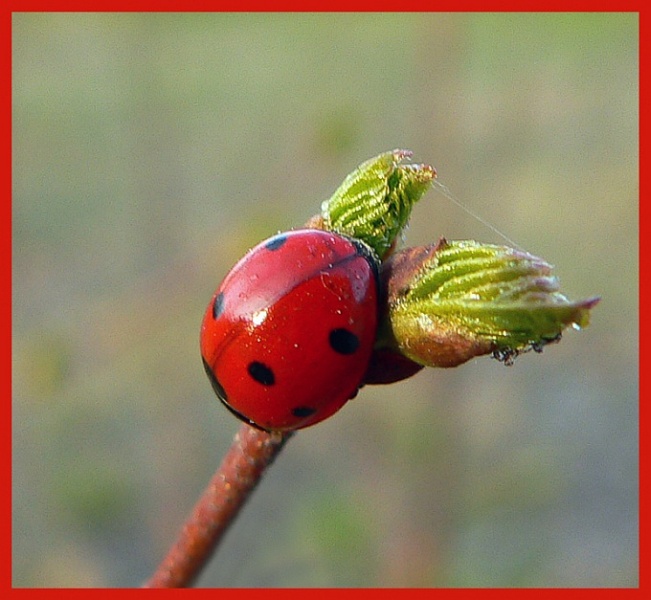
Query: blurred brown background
151,150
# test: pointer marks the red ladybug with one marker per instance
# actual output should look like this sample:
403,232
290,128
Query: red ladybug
288,335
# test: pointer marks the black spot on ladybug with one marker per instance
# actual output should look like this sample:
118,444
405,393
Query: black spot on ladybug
219,390
218,305
303,411
343,341
261,373
278,241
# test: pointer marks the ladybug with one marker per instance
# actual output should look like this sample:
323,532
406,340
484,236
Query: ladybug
287,338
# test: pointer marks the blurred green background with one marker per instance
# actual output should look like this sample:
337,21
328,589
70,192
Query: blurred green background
151,150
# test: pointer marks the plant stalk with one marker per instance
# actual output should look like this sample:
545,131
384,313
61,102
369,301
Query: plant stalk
251,452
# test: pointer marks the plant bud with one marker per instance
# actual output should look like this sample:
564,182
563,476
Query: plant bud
374,202
451,301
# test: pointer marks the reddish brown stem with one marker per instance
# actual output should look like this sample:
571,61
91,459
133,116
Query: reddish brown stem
251,452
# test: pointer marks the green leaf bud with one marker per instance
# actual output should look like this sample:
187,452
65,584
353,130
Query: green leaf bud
374,202
451,301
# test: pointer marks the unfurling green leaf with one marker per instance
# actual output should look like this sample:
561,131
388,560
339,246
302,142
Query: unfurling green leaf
451,301
374,202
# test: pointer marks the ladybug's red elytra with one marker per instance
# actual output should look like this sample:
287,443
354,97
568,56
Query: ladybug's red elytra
288,335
